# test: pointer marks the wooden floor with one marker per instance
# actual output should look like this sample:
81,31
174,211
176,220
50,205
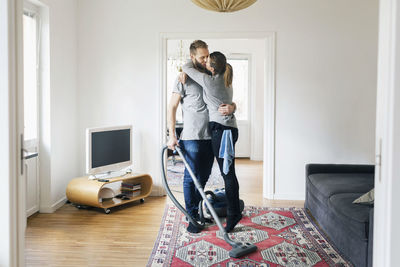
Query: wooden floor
72,237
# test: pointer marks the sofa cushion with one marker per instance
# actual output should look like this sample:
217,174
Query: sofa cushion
354,217
324,185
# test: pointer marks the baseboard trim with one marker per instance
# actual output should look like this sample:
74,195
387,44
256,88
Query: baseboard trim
286,196
54,207
32,210
157,191
257,158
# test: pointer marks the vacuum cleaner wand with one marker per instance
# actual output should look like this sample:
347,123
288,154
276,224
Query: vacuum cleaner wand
238,249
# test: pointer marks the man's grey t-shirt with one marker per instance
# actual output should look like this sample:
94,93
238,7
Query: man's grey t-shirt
195,113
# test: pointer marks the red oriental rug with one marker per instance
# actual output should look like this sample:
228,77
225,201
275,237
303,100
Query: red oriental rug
284,237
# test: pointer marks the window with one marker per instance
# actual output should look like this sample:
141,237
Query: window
240,86
30,26
172,73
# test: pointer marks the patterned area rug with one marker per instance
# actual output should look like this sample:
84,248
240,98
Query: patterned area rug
175,169
284,237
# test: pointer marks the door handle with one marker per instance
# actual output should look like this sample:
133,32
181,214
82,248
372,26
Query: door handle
29,155
22,153
25,154
378,160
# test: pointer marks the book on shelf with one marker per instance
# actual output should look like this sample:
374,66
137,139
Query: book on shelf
131,193
130,185
129,189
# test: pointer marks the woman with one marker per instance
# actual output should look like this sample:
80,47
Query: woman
217,92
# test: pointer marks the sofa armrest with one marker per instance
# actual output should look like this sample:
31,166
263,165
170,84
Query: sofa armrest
313,168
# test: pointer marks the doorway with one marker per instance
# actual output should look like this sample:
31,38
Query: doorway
260,94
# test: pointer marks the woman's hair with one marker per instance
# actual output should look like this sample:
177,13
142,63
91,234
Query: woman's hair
228,75
218,62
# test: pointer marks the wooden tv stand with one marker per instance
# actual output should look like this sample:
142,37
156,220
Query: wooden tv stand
82,191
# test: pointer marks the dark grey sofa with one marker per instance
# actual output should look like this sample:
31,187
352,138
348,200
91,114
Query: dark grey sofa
330,191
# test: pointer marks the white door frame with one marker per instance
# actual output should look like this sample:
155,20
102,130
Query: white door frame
387,173
8,140
269,95
15,204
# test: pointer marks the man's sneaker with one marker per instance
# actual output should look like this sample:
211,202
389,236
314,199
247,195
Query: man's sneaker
193,229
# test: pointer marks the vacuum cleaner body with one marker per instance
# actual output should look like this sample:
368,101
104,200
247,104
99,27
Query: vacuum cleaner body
218,200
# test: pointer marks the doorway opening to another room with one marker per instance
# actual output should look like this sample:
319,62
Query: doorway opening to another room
252,58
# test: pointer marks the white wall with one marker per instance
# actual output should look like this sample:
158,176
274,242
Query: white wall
325,75
326,90
59,162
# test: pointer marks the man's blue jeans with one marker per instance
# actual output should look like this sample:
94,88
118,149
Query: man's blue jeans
199,155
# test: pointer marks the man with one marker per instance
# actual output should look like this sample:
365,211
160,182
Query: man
195,139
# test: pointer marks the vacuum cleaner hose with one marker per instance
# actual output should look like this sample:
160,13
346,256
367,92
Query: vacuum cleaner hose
172,197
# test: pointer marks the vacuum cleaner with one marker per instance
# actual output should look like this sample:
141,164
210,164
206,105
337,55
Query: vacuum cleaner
239,249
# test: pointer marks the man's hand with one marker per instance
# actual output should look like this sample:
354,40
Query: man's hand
172,142
226,109
182,77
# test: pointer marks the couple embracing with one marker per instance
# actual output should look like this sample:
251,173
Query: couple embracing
204,90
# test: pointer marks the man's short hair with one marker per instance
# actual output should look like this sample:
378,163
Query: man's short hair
197,44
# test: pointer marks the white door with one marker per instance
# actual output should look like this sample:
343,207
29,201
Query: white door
11,196
241,96
31,110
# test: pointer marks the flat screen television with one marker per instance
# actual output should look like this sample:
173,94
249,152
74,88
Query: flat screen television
108,149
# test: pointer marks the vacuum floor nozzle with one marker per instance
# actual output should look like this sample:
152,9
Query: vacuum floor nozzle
242,250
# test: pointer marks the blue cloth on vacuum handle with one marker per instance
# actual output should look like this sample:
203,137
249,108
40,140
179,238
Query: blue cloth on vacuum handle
226,150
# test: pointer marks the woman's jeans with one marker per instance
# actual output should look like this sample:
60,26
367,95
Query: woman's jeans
231,182
199,156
